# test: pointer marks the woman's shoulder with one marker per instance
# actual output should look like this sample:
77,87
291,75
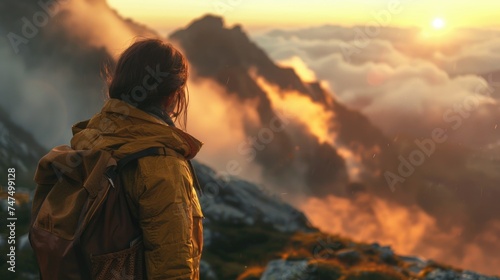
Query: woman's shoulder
171,161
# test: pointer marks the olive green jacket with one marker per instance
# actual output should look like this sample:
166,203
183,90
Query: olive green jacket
160,189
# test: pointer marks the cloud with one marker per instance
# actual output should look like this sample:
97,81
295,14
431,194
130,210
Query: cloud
460,51
105,29
323,164
39,100
218,119
378,50
55,76
301,69
408,87
398,91
478,57
408,229
300,107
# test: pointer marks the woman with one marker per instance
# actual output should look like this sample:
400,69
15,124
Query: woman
147,88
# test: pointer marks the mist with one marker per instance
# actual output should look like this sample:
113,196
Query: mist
326,153
388,77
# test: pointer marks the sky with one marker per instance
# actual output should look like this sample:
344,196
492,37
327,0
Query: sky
167,15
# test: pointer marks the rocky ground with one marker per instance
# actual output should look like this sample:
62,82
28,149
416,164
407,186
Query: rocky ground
251,234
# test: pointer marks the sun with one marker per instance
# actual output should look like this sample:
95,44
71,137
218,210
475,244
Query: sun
436,30
438,23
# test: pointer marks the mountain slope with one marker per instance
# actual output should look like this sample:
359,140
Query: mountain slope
19,150
60,65
229,57
250,233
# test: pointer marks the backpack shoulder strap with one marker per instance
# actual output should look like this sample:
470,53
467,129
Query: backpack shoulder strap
112,173
152,151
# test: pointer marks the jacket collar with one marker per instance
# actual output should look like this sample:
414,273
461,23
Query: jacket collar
158,112
144,127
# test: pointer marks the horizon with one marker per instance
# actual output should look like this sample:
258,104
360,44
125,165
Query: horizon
255,16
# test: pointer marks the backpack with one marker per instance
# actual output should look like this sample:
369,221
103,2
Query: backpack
81,226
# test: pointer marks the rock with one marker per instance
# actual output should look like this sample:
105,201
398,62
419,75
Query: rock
207,236
349,256
24,242
206,271
440,274
236,201
284,270
416,264
17,148
385,252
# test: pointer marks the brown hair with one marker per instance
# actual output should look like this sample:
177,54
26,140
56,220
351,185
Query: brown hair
151,73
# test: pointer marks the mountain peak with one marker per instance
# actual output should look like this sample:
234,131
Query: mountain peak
219,52
208,22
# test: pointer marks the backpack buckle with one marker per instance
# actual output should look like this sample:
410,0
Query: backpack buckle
111,175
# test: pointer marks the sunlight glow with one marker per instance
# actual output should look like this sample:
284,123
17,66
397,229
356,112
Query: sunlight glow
436,31
438,23
169,15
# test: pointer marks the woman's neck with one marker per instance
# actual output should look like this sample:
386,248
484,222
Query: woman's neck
158,112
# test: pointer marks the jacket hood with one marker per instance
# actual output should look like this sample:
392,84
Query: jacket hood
126,129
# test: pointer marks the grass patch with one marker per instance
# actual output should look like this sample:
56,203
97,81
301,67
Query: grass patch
252,273
243,246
